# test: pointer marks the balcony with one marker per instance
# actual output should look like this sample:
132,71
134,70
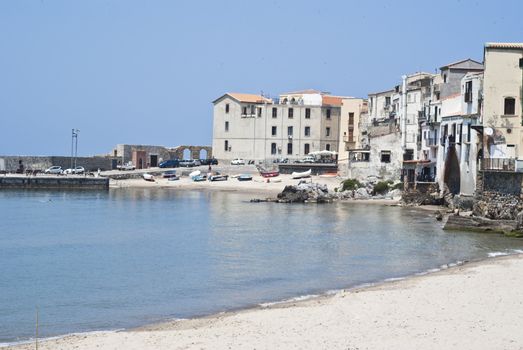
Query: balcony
431,142
498,164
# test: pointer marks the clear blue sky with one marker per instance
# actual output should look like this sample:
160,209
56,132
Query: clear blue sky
145,72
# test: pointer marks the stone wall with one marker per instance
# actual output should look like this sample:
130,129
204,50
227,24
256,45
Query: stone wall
497,206
12,163
502,182
54,182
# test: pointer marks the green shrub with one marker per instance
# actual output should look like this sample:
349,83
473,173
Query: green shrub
380,188
350,184
398,186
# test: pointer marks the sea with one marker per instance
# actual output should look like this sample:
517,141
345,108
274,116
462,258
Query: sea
91,261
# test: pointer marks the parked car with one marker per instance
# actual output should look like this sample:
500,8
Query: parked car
190,162
77,170
55,169
238,161
281,160
126,166
209,161
171,163
307,159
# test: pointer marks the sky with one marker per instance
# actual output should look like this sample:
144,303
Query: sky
146,72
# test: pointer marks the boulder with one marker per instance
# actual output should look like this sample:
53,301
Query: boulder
306,192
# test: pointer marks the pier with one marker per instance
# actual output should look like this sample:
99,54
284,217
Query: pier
54,182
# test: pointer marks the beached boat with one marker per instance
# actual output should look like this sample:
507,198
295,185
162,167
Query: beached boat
195,173
267,173
148,177
301,175
173,178
244,177
199,178
218,177
169,174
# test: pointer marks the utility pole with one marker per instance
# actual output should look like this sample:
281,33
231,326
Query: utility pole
74,149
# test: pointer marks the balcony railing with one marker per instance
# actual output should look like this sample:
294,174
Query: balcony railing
498,164
431,142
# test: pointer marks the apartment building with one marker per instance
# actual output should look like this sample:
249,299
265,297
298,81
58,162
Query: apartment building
254,127
503,115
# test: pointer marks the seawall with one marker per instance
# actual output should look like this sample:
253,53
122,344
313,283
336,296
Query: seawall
54,182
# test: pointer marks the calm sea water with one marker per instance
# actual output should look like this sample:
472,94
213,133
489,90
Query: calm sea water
123,258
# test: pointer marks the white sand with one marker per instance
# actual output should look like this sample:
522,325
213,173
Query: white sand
475,306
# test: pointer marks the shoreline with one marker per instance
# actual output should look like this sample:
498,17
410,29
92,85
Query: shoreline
206,323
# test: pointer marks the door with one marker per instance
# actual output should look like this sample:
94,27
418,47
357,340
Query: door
153,160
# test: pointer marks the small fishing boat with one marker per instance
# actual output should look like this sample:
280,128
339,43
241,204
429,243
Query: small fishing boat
267,173
199,178
173,178
195,173
218,177
244,177
148,177
301,175
169,174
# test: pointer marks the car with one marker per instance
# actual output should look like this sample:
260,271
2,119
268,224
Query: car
238,161
209,161
171,163
55,169
307,159
281,160
77,170
190,162
126,166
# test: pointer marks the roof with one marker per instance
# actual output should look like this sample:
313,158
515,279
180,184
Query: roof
249,98
453,64
331,100
302,92
504,46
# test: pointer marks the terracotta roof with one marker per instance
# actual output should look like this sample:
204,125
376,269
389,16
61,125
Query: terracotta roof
249,98
504,45
331,100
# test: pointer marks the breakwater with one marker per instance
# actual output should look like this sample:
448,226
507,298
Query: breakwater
54,182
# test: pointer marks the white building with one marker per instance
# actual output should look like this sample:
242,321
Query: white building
254,127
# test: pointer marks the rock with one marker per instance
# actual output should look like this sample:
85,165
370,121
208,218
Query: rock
439,216
519,220
306,192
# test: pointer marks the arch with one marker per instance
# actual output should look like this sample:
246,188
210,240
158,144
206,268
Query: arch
203,153
186,153
452,176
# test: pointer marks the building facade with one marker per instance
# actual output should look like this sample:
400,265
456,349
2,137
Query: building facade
257,128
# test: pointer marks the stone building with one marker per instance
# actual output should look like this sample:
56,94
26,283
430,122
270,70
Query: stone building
146,156
353,112
502,112
254,127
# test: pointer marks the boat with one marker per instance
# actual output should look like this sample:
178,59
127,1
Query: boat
148,177
199,178
301,175
169,174
195,173
244,177
218,177
173,178
267,173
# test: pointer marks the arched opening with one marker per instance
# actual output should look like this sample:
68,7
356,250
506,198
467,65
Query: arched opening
203,154
452,176
187,154
140,163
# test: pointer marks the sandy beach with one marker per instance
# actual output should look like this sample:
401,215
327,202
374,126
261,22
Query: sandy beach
474,306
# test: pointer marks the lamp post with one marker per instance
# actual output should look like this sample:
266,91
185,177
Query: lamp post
74,148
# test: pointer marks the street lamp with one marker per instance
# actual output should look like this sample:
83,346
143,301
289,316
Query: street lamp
74,148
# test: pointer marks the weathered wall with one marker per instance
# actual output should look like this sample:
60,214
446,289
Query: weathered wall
11,163
54,182
502,182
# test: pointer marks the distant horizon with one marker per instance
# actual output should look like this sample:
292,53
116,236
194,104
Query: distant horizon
125,72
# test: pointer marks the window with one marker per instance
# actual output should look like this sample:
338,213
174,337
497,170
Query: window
385,156
274,112
328,113
244,110
259,111
328,147
444,78
307,113
468,91
327,131
273,148
351,118
226,126
226,145
306,149
253,109
351,135
274,130
468,132
460,132
289,130
226,108
291,113
307,131
289,148
510,106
